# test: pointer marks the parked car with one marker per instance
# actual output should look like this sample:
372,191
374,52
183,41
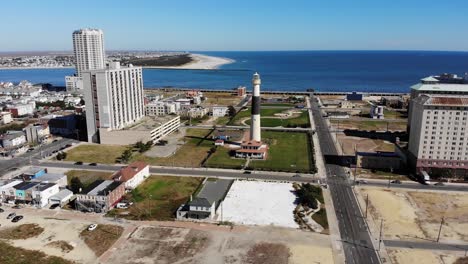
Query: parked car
13,169
396,181
17,218
79,163
11,215
1,210
361,182
122,205
247,172
296,176
16,206
439,184
54,206
91,227
93,164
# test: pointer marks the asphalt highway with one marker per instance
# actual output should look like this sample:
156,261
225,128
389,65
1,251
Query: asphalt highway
357,243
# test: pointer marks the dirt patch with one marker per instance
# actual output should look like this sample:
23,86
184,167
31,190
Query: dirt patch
102,238
268,253
411,256
21,232
14,255
62,245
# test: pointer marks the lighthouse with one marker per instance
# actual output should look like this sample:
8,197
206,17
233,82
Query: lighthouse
255,119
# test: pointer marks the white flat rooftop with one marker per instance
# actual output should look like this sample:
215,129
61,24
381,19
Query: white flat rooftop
259,203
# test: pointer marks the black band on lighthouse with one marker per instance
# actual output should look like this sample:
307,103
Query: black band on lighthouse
255,105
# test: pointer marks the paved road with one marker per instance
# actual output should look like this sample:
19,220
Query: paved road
417,186
30,157
295,129
188,172
430,245
357,244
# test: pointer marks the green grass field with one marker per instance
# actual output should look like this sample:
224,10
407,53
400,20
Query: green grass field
191,154
288,152
246,113
222,159
106,154
87,177
158,197
300,121
321,218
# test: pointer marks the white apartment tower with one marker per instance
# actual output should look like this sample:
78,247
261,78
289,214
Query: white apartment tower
88,48
438,137
114,98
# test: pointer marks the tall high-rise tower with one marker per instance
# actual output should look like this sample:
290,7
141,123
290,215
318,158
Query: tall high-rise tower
255,121
88,47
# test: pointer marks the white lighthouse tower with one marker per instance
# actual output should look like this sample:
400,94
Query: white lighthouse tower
255,134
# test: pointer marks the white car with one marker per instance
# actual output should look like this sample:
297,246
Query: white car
92,227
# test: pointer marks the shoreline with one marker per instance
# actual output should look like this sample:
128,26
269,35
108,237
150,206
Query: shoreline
200,62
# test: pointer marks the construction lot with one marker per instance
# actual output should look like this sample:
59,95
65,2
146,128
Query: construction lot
412,215
221,244
352,144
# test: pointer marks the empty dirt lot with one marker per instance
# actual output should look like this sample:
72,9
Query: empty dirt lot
211,244
413,256
412,215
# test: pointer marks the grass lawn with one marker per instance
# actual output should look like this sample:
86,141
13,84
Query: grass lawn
300,121
321,218
223,120
288,152
392,114
246,113
369,125
158,197
222,159
102,238
98,153
191,154
88,177
16,255
288,105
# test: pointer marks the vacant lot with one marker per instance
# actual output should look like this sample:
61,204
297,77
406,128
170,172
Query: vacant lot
88,153
88,177
413,256
191,154
416,215
159,197
213,245
369,125
16,255
287,152
102,238
224,99
21,232
351,144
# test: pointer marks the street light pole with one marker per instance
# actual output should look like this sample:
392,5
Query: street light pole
367,203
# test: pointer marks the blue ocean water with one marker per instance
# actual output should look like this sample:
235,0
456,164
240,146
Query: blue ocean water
373,71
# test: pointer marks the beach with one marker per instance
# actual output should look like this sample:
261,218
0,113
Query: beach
200,62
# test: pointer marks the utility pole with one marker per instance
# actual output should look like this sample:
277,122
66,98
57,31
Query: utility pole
440,228
381,231
367,203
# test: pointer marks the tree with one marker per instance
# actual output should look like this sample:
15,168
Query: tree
231,111
126,155
76,185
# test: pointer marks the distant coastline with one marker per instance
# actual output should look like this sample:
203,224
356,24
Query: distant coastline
37,68
199,62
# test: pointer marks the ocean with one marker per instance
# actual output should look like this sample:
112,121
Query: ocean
366,71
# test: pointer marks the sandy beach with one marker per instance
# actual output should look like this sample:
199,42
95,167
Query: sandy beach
200,62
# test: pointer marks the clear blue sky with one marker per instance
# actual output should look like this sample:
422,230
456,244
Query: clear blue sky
238,25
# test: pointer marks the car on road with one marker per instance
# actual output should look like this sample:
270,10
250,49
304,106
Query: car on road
79,163
11,215
439,184
54,206
91,227
16,206
93,164
30,149
247,172
396,181
296,176
361,182
17,218
13,169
